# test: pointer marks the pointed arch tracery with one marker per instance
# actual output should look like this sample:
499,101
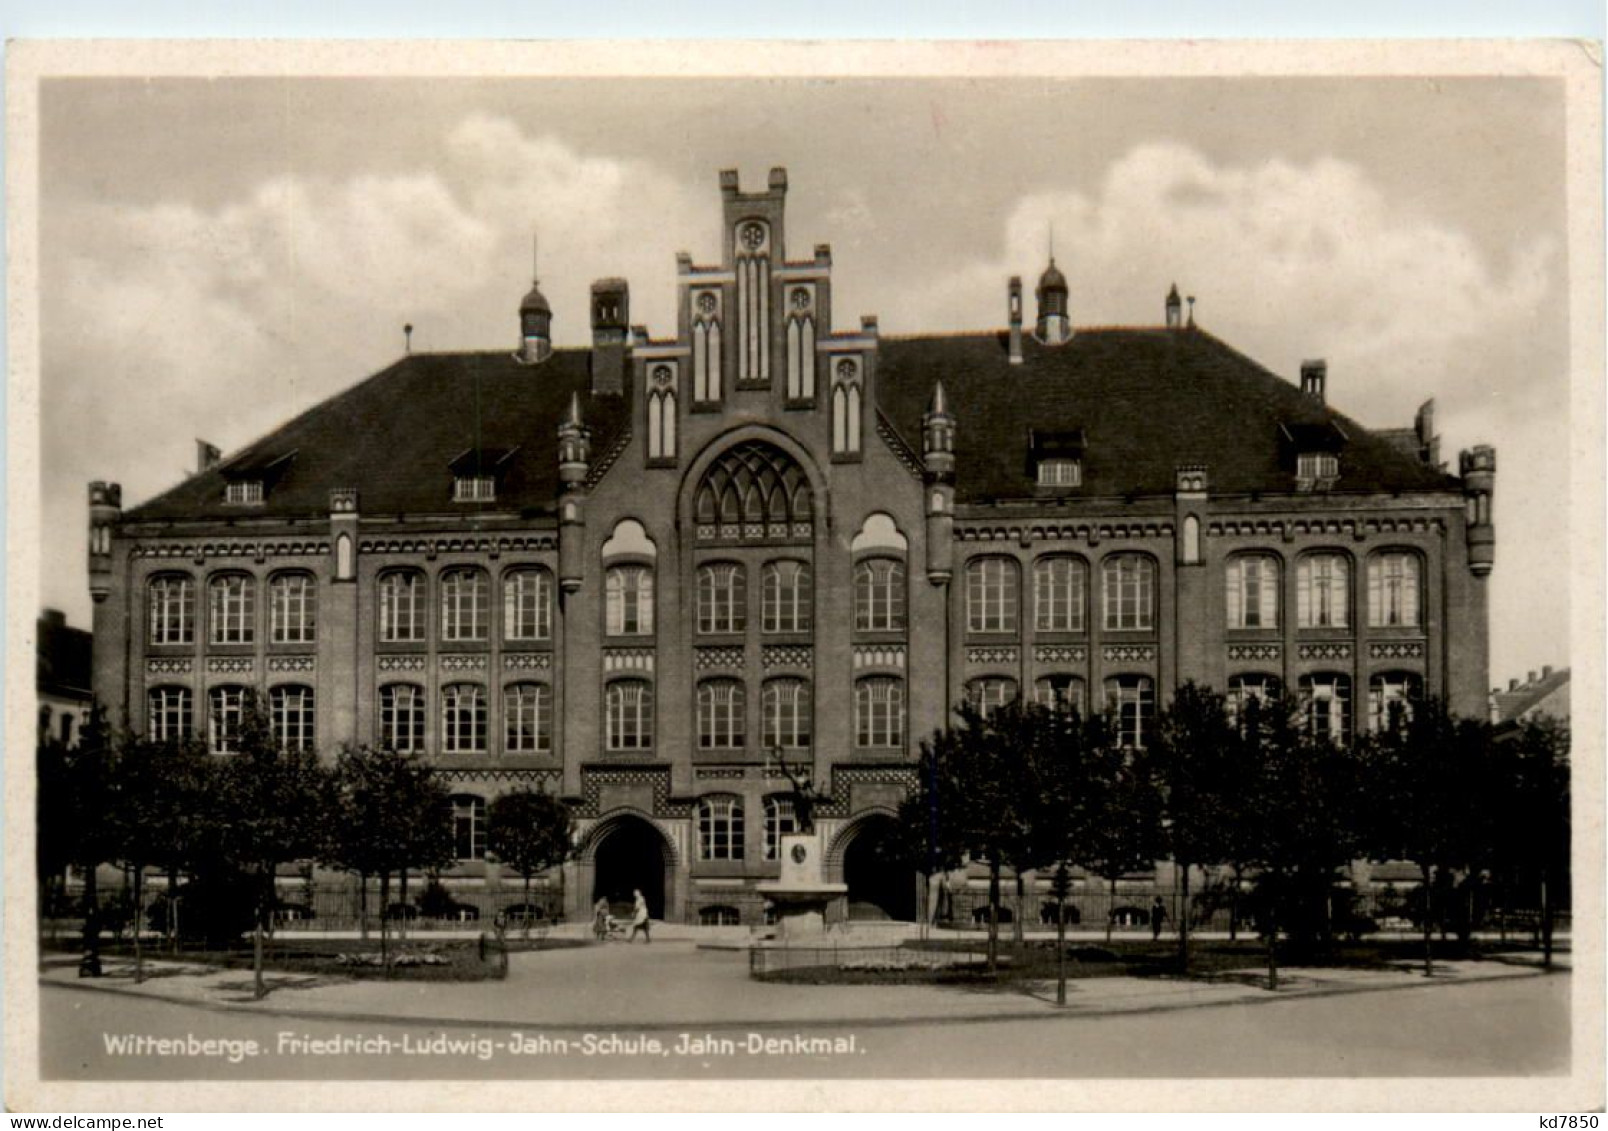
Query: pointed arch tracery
754,490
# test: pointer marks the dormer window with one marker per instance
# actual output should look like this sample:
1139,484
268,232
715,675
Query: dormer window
1060,473
1055,459
244,492
475,474
1317,465
474,489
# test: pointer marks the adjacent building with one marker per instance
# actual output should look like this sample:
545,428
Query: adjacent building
631,573
62,669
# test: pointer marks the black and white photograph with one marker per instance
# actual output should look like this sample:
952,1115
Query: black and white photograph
940,576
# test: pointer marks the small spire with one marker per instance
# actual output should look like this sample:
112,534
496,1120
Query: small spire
1191,301
574,417
938,407
407,337
535,258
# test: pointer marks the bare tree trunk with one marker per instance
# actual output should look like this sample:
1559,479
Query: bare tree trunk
385,921
1272,944
1183,919
259,988
1060,951
1111,910
1546,923
362,906
402,898
139,952
1429,942
1016,921
1233,905
527,915
993,916
173,908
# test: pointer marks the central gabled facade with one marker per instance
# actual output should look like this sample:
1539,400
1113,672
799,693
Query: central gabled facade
631,573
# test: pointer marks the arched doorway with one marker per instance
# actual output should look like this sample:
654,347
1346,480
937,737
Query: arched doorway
879,886
629,855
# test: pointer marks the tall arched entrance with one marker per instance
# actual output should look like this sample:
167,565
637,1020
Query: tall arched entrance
880,887
628,855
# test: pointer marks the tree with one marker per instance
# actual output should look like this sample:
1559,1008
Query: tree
74,814
161,792
1123,831
394,813
275,806
1531,833
531,831
1194,758
1300,794
1428,775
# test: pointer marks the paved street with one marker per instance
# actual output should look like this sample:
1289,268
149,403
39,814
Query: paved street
1510,1025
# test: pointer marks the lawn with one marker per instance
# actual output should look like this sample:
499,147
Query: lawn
1034,960
415,960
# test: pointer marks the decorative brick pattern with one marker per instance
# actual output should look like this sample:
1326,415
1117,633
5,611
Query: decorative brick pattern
527,661
1337,650
879,656
291,663
1254,652
706,658
705,773
343,500
473,662
836,803
1060,654
401,663
992,655
658,777
786,656
1128,653
901,450
200,551
169,667
628,660
549,780
230,665
1396,650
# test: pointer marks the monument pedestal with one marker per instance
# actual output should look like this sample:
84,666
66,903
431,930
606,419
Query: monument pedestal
800,895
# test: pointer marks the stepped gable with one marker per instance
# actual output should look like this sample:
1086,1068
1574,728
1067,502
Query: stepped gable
1146,400
396,436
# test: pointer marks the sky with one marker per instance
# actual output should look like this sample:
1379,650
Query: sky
218,254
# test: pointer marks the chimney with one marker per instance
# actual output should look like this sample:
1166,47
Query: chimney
54,618
1546,671
1513,684
611,324
1529,678
1314,375
1016,319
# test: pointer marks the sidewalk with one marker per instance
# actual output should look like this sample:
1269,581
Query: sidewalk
675,985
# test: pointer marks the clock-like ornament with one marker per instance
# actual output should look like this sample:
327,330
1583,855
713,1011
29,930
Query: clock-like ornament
801,299
799,853
706,303
753,236
846,370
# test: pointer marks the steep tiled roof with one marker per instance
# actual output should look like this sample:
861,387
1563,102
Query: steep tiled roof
395,436
1146,401
1513,705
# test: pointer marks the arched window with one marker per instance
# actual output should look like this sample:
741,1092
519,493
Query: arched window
401,606
800,348
629,711
1253,591
226,710
231,609
752,260
780,820
171,600
465,605
989,693
1323,591
706,347
879,711
1327,699
290,709
846,398
1392,697
720,828
1191,539
402,717
722,598
662,413
468,826
1131,699
1129,583
1060,693
527,718
169,715
463,718
879,595
292,608
991,595
786,597
754,490
1060,585
722,711
719,915
343,557
528,604
787,713
1265,689
1394,578
628,596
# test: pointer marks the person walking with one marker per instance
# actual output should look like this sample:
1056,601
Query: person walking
1158,916
600,919
639,918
